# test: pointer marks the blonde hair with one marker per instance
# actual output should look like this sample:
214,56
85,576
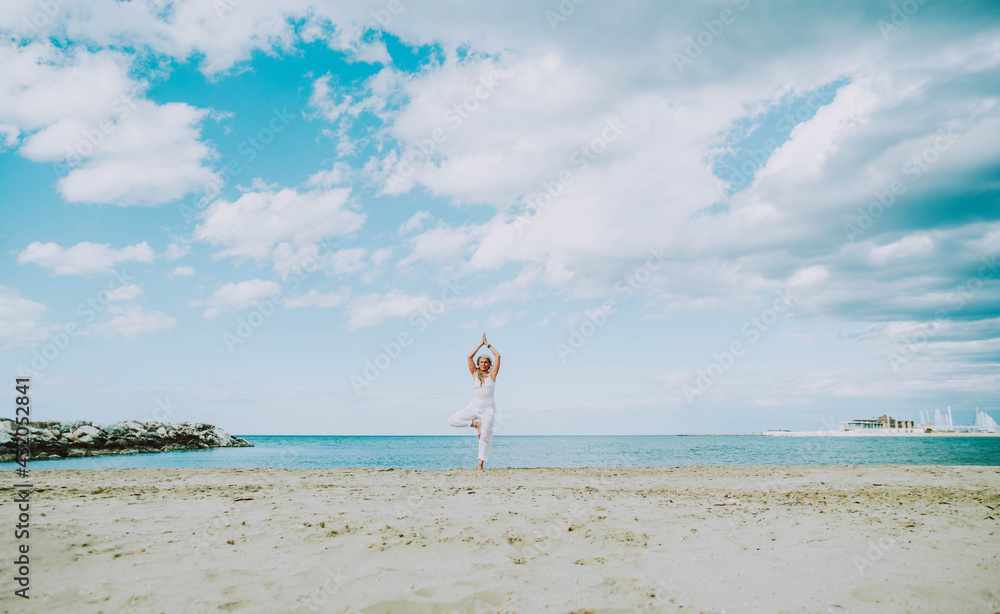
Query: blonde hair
479,372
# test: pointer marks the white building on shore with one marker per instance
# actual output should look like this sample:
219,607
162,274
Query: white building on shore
885,422
942,424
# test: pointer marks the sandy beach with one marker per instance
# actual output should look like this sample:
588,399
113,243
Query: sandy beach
689,539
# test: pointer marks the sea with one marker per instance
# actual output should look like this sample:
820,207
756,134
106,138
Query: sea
433,453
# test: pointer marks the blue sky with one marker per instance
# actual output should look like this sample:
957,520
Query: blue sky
299,217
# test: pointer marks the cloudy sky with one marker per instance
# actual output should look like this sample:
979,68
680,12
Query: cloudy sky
299,217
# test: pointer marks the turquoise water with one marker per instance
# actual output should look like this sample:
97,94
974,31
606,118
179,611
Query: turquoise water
449,452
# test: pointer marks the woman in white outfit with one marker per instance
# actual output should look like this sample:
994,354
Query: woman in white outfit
479,413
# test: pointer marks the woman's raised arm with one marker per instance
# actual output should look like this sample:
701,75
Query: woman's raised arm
472,365
496,363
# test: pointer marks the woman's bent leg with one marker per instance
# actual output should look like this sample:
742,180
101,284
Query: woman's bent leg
463,417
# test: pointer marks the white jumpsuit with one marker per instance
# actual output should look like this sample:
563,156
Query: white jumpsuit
482,408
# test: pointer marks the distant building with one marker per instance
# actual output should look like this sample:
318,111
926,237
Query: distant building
885,422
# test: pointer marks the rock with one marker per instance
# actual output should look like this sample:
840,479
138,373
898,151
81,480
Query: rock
44,434
86,430
116,430
135,426
52,439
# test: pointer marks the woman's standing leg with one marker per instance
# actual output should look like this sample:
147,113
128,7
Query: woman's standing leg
486,434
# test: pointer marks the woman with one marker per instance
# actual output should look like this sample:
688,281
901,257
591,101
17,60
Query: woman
479,413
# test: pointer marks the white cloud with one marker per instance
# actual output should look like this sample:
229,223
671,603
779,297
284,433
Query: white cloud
151,155
83,258
336,175
647,189
520,289
378,258
373,309
442,244
19,319
547,319
314,298
416,222
810,276
254,224
311,257
80,110
348,38
223,34
131,322
238,296
908,248
182,271
495,320
41,85
9,136
125,293
813,142
344,261
322,100
176,251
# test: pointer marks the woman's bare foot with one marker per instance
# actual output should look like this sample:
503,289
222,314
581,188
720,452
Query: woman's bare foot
479,429
480,467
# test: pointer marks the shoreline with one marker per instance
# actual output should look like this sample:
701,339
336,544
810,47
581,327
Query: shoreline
488,470
875,433
701,538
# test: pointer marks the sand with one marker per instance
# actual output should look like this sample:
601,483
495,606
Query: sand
689,539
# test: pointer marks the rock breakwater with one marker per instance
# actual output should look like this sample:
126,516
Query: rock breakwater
59,439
